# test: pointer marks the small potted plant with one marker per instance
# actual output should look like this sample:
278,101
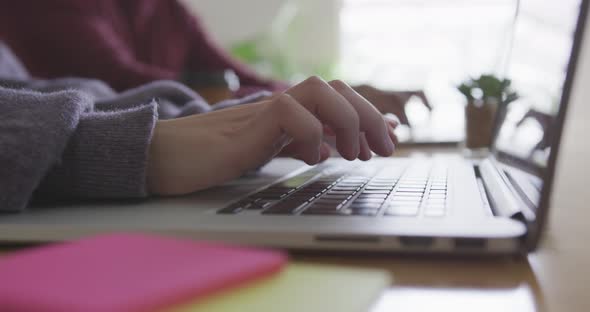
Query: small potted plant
484,95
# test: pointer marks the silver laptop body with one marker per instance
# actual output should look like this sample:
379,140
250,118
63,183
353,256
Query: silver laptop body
444,204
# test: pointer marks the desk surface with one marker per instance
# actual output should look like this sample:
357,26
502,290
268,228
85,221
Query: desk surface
553,278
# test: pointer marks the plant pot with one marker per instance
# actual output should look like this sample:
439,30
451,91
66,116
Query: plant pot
479,124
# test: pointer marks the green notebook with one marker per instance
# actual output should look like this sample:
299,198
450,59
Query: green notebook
301,287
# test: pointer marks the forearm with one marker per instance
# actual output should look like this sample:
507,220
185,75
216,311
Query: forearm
106,157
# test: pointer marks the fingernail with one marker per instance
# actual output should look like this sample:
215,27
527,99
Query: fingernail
314,158
356,150
389,146
318,155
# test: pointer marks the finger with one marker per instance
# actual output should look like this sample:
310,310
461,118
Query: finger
293,120
325,151
291,151
328,131
365,153
371,121
393,136
280,143
393,123
333,110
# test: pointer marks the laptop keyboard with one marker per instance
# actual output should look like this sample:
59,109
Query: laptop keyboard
409,191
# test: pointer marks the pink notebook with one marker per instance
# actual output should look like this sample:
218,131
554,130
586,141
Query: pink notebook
126,272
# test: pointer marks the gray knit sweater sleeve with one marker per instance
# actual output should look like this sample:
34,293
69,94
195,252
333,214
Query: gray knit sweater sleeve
56,145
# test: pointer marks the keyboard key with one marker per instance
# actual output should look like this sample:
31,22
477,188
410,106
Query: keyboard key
235,207
345,188
266,198
406,182
328,204
378,188
411,188
325,205
351,183
261,204
382,180
296,181
355,178
267,194
417,196
364,195
406,199
321,207
369,200
365,191
329,201
273,191
298,197
287,206
307,190
363,212
324,208
340,192
340,197
365,205
317,187
327,212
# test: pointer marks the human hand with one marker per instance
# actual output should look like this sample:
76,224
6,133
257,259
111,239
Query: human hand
200,151
393,102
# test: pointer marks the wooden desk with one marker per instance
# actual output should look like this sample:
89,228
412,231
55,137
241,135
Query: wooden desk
554,278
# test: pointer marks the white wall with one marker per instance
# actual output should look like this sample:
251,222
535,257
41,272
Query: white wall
232,21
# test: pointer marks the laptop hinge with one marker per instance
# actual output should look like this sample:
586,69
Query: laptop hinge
504,201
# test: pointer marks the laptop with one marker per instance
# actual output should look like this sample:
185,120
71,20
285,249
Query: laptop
438,204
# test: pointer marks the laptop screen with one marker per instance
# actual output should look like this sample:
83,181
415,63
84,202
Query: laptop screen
542,40
542,43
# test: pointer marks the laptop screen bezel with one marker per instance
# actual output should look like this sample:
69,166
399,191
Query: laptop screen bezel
547,174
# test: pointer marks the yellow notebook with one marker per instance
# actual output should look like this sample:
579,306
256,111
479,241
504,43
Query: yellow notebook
300,287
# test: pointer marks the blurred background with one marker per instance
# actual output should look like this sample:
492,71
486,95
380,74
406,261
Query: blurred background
401,44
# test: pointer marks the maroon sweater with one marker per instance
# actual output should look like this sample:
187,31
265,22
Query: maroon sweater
123,42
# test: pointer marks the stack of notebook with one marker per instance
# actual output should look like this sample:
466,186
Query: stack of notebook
142,273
